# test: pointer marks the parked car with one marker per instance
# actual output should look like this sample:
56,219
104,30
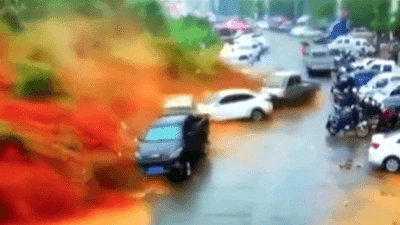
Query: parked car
362,32
320,59
180,104
378,83
305,31
389,97
239,57
383,65
286,26
303,19
253,38
236,104
288,85
171,145
354,44
362,77
262,25
363,63
254,46
383,151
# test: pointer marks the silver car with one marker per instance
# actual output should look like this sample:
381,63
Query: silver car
389,97
320,59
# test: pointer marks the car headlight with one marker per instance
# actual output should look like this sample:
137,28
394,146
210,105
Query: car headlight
138,156
176,153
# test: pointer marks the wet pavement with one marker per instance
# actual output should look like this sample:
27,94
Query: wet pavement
284,170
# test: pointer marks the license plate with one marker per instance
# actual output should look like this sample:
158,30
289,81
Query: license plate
155,170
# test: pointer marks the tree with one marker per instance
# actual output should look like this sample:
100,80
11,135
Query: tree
381,23
361,12
261,8
191,32
395,26
151,16
323,9
282,7
247,8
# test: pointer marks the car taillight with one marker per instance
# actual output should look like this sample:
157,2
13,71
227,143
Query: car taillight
375,145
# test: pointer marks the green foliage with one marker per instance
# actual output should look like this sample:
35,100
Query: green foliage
381,22
395,26
37,83
151,16
247,8
361,12
281,7
323,9
191,32
261,8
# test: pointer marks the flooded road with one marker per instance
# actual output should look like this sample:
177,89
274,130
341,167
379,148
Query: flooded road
282,170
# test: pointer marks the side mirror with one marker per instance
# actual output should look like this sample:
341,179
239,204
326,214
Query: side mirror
136,140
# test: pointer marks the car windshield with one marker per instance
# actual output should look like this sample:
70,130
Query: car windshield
163,133
370,61
275,81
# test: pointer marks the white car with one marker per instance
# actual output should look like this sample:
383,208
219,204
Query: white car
236,104
363,63
384,151
179,103
253,38
381,65
306,31
353,44
389,96
362,32
262,25
379,83
239,55
303,19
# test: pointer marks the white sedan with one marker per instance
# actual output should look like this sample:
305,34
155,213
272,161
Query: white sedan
262,25
384,151
253,38
306,31
236,104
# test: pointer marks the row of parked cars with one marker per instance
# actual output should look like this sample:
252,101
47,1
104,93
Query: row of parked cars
178,139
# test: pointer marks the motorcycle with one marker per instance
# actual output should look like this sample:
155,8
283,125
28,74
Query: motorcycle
347,119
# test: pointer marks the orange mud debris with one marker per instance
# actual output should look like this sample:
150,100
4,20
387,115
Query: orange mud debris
109,79
375,202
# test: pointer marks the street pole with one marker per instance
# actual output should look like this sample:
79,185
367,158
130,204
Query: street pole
295,10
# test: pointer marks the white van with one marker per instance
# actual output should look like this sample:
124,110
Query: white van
353,44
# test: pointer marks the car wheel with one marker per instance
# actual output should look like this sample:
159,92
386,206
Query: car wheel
362,130
392,164
332,131
257,115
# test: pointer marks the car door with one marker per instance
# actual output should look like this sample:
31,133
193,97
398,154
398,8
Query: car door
230,108
376,67
393,100
292,87
387,68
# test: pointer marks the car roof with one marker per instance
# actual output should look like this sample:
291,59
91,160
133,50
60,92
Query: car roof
383,61
286,73
178,101
234,91
170,119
